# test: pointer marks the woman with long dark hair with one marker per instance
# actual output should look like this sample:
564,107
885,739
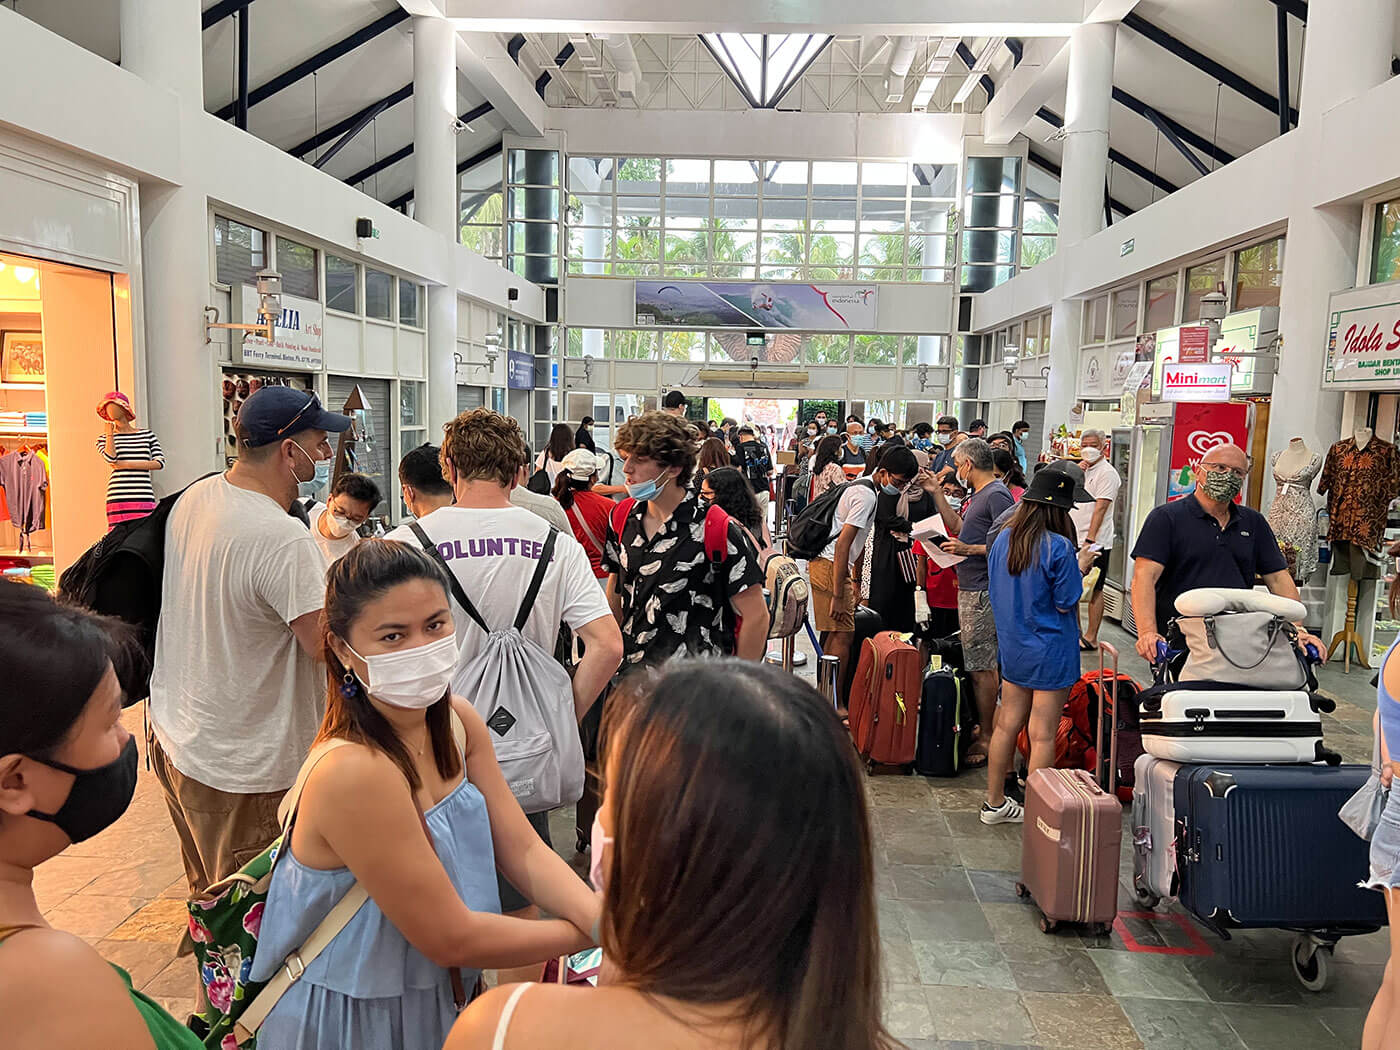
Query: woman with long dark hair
586,510
551,458
729,490
68,770
703,962
1008,472
415,810
826,465
1035,586
714,454
583,437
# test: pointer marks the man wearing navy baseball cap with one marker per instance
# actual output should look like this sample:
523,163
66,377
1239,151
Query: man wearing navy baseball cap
235,693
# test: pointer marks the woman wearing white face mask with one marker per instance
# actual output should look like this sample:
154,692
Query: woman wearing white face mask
416,818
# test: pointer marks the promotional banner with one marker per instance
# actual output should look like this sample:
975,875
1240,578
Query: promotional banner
1196,430
1193,344
1363,339
1191,382
299,341
520,370
751,304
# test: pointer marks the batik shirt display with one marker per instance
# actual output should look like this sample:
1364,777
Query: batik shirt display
1359,484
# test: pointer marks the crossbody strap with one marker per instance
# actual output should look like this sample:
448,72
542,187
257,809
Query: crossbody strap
456,584
577,519
537,581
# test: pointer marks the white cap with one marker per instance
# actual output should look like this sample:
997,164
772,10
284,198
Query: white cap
580,464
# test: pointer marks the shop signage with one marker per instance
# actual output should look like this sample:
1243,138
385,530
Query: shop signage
520,370
299,341
1193,344
1182,381
1363,339
756,304
1239,345
1198,428
1093,372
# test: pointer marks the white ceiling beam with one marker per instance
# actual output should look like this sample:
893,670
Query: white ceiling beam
960,18
1044,67
483,63
1107,10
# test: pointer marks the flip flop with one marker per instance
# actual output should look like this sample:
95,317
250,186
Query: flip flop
975,761
1086,646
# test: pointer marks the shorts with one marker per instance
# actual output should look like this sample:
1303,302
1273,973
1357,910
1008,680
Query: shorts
1385,848
511,898
979,630
1354,560
1101,563
821,572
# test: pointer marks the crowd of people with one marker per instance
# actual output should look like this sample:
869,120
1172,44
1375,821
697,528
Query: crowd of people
415,686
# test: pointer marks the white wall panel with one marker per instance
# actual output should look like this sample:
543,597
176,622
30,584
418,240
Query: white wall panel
343,344
600,302
413,354
379,349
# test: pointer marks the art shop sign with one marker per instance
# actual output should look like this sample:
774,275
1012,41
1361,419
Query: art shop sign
1363,339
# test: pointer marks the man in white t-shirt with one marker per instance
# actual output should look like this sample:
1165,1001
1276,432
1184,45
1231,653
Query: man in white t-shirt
335,523
1094,521
834,591
492,548
236,693
547,507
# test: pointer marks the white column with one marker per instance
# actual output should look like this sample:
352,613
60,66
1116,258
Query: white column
1347,52
594,236
435,197
1087,103
160,42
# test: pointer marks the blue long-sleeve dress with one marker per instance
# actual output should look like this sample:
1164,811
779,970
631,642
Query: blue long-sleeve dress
1037,614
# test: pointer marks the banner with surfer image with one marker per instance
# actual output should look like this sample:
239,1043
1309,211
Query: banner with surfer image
757,304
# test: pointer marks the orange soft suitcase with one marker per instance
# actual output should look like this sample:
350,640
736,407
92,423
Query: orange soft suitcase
1070,843
884,708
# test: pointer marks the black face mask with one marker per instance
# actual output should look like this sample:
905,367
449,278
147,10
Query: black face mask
99,796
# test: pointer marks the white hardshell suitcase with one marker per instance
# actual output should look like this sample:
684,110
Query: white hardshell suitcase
1234,725
1154,830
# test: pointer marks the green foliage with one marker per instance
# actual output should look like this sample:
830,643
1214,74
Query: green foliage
807,410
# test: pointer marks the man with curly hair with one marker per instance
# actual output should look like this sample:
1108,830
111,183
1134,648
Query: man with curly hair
669,597
491,548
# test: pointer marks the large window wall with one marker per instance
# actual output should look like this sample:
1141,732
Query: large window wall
780,348
760,219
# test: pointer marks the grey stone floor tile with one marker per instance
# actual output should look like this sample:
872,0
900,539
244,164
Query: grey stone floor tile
1072,973
1268,1027
979,1013
1080,1022
1345,1023
907,1013
972,964
944,921
995,887
1166,1024
1147,976
897,957
1260,983
914,847
926,882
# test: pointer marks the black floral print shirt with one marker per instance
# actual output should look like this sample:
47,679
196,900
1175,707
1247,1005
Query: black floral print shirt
674,601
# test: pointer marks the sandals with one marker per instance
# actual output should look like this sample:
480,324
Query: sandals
1086,646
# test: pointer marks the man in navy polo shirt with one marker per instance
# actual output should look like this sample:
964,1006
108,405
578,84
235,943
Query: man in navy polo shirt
1205,540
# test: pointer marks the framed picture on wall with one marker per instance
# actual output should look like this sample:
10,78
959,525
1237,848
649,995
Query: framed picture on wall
22,357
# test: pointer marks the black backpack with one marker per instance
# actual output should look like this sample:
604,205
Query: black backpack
539,482
809,533
757,464
120,575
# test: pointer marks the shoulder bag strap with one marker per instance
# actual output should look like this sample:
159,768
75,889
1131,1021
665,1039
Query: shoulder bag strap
536,581
577,519
456,584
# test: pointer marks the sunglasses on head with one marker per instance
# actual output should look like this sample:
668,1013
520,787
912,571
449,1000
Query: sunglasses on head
313,400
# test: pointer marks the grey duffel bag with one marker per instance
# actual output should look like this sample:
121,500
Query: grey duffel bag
1256,650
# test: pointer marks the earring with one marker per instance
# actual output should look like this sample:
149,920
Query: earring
348,686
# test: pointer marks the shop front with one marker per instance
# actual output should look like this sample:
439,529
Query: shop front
69,267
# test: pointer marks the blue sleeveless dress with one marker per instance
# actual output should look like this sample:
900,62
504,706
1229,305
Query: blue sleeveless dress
370,988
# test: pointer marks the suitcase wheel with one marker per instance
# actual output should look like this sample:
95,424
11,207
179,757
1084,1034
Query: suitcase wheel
1312,961
1021,890
1048,925
1146,899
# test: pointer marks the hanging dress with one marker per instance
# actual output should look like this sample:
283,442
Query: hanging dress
1293,516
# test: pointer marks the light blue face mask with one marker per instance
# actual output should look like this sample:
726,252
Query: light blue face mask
319,483
649,489
890,490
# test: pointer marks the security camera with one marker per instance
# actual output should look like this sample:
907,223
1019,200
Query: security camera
459,125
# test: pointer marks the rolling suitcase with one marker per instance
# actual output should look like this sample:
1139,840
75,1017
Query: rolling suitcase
1069,849
944,729
1262,846
884,707
1153,829
1234,725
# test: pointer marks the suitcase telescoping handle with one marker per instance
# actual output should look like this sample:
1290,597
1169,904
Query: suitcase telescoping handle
1109,779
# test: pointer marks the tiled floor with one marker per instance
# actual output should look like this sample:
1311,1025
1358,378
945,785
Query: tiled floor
965,962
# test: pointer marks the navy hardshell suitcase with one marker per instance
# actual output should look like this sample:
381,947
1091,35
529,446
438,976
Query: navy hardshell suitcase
945,723
1263,847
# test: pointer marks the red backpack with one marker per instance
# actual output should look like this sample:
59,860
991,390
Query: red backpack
1077,735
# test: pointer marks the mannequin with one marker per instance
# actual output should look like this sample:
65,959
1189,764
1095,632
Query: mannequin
1292,514
1360,478
134,454
1362,436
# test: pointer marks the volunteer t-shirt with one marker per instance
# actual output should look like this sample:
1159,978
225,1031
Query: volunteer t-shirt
235,702
1101,481
493,553
855,507
331,549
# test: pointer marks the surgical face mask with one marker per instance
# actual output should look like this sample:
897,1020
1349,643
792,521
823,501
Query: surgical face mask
812,432
597,840
98,798
1222,485
955,502
830,431
1090,454
414,679
942,438
341,527
649,489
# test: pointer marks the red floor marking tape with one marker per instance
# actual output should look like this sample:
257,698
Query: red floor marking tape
1197,946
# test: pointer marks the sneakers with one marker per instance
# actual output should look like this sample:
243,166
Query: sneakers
1009,812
